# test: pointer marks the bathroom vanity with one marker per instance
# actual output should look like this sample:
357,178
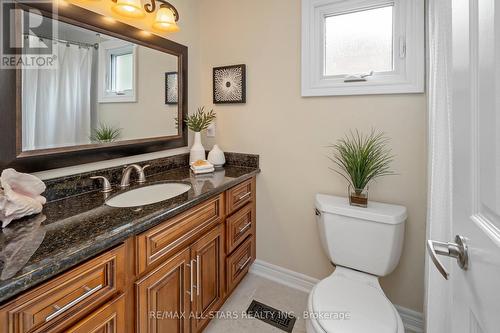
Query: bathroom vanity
165,267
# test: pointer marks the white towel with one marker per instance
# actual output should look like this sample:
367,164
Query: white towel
206,166
197,171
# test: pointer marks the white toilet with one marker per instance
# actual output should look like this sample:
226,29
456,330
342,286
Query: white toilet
364,243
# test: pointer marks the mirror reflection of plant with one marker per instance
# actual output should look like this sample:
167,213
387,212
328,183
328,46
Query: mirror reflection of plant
200,120
362,158
104,133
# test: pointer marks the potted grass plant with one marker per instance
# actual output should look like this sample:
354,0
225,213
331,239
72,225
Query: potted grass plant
105,134
197,122
360,159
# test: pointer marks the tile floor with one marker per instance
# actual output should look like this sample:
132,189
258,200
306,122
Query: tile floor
265,291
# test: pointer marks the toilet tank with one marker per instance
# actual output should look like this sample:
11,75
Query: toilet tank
366,239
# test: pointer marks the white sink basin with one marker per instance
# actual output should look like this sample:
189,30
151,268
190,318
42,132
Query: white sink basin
148,195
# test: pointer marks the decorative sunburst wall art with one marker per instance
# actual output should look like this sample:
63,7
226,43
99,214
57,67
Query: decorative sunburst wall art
171,88
230,84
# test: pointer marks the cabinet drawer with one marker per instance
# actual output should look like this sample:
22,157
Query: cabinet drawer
68,297
159,243
108,319
239,196
238,263
239,226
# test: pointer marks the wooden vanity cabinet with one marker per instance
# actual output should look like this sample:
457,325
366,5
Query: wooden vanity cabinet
184,292
59,303
169,279
180,294
162,296
208,257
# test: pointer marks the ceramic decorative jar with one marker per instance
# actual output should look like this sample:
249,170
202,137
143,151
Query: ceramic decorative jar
216,157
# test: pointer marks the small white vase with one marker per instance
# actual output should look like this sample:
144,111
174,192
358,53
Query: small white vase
216,156
197,151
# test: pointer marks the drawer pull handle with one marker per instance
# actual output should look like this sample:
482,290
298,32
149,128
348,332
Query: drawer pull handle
245,227
198,275
241,266
77,300
244,196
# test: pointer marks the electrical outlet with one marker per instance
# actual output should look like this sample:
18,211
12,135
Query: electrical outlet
211,131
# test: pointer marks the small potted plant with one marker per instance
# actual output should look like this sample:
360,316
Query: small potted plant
105,134
198,122
361,159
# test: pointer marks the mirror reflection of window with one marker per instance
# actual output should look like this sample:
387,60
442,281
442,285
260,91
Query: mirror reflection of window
122,67
117,67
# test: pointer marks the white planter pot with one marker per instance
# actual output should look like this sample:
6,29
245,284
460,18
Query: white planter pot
197,151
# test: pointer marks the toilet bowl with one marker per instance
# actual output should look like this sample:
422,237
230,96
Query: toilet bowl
364,243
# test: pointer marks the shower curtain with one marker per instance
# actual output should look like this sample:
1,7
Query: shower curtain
440,155
56,106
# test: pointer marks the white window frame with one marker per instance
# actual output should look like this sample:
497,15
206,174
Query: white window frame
409,53
106,50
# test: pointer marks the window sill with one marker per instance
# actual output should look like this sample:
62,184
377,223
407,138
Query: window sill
369,87
117,99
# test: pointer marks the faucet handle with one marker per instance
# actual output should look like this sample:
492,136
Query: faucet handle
142,176
106,186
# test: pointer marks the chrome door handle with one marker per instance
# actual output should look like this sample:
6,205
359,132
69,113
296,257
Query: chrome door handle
74,302
190,292
245,227
198,275
244,196
241,266
458,250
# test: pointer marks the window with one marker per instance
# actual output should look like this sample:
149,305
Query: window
353,47
117,66
121,68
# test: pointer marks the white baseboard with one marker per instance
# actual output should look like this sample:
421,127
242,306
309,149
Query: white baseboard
284,276
412,320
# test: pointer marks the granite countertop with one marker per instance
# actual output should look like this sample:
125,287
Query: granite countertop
71,230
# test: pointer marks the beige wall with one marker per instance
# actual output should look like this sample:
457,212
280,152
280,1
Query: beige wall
291,134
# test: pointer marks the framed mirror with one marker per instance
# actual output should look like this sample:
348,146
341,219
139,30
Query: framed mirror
105,91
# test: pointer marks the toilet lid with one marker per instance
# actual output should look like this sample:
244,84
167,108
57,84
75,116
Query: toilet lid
343,305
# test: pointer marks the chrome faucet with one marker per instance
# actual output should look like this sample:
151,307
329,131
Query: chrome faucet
106,185
126,174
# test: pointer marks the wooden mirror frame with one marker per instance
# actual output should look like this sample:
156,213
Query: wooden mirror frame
11,153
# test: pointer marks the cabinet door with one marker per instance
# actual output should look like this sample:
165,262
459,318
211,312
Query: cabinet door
108,319
208,256
162,296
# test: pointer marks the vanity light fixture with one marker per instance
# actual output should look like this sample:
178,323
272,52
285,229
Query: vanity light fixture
167,15
166,19
128,8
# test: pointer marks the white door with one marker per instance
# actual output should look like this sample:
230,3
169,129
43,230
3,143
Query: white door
474,294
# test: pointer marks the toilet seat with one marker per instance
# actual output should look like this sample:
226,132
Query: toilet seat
357,294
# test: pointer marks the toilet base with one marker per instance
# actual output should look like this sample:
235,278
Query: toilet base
313,325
